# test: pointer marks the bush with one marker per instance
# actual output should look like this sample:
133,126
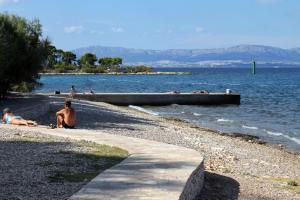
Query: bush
62,68
292,183
24,87
93,70
136,69
22,52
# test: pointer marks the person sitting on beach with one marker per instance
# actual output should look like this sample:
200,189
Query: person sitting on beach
90,92
73,91
10,118
200,92
66,117
174,92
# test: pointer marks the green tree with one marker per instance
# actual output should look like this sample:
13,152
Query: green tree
22,52
68,57
117,61
59,56
88,59
51,58
109,62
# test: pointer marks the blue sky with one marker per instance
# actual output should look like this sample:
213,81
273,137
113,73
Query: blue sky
163,24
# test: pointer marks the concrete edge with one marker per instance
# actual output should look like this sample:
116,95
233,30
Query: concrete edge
194,184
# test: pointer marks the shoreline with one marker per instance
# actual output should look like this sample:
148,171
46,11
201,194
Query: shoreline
117,73
244,137
259,170
240,136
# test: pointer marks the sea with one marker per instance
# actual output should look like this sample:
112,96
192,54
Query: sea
270,99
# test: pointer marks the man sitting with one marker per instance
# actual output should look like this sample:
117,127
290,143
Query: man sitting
66,117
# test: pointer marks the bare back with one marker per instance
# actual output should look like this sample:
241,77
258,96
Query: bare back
69,116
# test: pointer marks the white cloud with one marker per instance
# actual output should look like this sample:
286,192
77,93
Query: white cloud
8,1
199,29
96,32
117,29
268,1
74,29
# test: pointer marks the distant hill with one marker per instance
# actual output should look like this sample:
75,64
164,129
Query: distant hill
241,54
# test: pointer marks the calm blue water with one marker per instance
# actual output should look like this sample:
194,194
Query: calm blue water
270,100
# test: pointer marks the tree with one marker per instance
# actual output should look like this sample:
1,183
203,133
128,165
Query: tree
109,62
68,57
88,59
59,56
52,57
22,52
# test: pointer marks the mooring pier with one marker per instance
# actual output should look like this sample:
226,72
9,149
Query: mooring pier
158,99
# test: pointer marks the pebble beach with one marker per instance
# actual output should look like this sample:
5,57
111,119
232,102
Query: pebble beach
235,168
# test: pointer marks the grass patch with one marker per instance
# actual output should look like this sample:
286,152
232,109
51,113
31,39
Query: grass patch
31,139
83,166
227,170
284,180
291,183
294,188
35,139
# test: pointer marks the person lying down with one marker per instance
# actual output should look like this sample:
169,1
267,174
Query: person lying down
10,118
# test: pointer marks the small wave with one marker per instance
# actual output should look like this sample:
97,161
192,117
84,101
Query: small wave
297,140
143,110
203,83
196,114
224,120
275,133
250,127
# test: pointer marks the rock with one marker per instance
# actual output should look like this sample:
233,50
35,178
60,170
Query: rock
280,146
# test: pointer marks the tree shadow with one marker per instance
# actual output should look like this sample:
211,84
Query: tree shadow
34,169
20,104
32,165
90,116
218,187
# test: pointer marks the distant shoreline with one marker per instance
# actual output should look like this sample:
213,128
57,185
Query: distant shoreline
118,73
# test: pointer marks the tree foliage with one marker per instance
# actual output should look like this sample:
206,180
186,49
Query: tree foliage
68,57
109,62
88,59
23,51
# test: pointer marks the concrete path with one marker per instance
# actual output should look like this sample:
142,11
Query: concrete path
152,171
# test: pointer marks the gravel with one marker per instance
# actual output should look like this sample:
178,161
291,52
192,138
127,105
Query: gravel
35,166
235,169
249,168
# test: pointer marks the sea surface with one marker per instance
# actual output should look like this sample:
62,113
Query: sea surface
270,100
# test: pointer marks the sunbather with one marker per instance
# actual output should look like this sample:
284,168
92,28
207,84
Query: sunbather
10,118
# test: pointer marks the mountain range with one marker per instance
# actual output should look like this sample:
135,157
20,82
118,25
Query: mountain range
236,55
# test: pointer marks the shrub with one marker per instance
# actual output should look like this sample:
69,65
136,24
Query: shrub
292,183
22,52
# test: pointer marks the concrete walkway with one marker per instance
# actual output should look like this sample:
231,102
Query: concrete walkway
152,171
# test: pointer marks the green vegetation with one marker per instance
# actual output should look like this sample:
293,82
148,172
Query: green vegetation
88,59
290,183
64,62
22,52
97,159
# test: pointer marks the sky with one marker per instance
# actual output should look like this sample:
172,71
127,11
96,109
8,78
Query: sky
163,24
